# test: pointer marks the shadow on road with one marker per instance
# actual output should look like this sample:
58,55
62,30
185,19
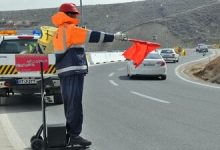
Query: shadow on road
21,103
139,78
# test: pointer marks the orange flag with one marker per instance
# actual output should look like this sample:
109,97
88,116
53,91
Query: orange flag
139,50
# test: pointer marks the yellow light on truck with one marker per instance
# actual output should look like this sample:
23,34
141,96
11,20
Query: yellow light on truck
8,32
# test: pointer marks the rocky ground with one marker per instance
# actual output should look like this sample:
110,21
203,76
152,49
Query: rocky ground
206,71
209,72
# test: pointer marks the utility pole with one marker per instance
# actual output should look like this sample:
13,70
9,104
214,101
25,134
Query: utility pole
81,13
154,18
164,13
166,23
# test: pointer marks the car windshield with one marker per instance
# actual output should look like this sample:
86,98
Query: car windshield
202,45
153,56
17,46
166,51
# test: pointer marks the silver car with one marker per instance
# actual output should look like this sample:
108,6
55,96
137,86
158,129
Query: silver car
169,54
153,65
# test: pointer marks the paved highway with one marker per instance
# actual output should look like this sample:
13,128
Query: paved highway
124,114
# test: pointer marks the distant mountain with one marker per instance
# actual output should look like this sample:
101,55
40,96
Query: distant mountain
169,22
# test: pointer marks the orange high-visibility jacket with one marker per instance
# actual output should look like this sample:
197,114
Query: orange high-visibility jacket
69,41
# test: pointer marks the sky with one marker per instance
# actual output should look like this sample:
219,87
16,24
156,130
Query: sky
8,5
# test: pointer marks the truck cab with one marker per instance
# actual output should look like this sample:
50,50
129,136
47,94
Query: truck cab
19,67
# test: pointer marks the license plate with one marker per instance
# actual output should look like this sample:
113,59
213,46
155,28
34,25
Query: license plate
166,56
26,81
149,64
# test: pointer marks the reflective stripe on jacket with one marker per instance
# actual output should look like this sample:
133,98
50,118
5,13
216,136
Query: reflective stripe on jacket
69,41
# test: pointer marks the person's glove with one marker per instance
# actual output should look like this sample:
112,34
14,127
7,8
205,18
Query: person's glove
120,36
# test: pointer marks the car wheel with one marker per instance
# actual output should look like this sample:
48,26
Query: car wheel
163,77
131,76
58,99
128,71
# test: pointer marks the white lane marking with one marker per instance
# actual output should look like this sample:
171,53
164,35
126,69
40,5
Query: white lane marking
194,82
11,133
113,83
120,69
151,98
111,74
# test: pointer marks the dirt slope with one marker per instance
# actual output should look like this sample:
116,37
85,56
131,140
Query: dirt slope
209,72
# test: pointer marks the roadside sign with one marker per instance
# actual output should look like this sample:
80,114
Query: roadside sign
29,63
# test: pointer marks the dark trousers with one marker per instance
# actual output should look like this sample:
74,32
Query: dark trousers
72,90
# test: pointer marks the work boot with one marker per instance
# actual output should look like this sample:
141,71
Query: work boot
78,140
67,138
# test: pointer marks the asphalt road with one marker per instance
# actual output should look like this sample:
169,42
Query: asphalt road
123,114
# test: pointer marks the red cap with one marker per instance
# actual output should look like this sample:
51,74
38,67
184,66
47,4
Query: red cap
68,7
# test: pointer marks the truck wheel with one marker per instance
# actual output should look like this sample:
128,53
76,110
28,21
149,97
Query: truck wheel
163,77
58,99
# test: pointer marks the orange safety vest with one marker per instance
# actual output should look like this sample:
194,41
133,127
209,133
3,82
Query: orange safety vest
68,43
69,36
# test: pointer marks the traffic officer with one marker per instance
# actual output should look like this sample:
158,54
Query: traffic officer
71,64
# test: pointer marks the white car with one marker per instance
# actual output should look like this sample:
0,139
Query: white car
169,54
153,65
202,48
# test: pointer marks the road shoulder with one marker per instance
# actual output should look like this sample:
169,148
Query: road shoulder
4,142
